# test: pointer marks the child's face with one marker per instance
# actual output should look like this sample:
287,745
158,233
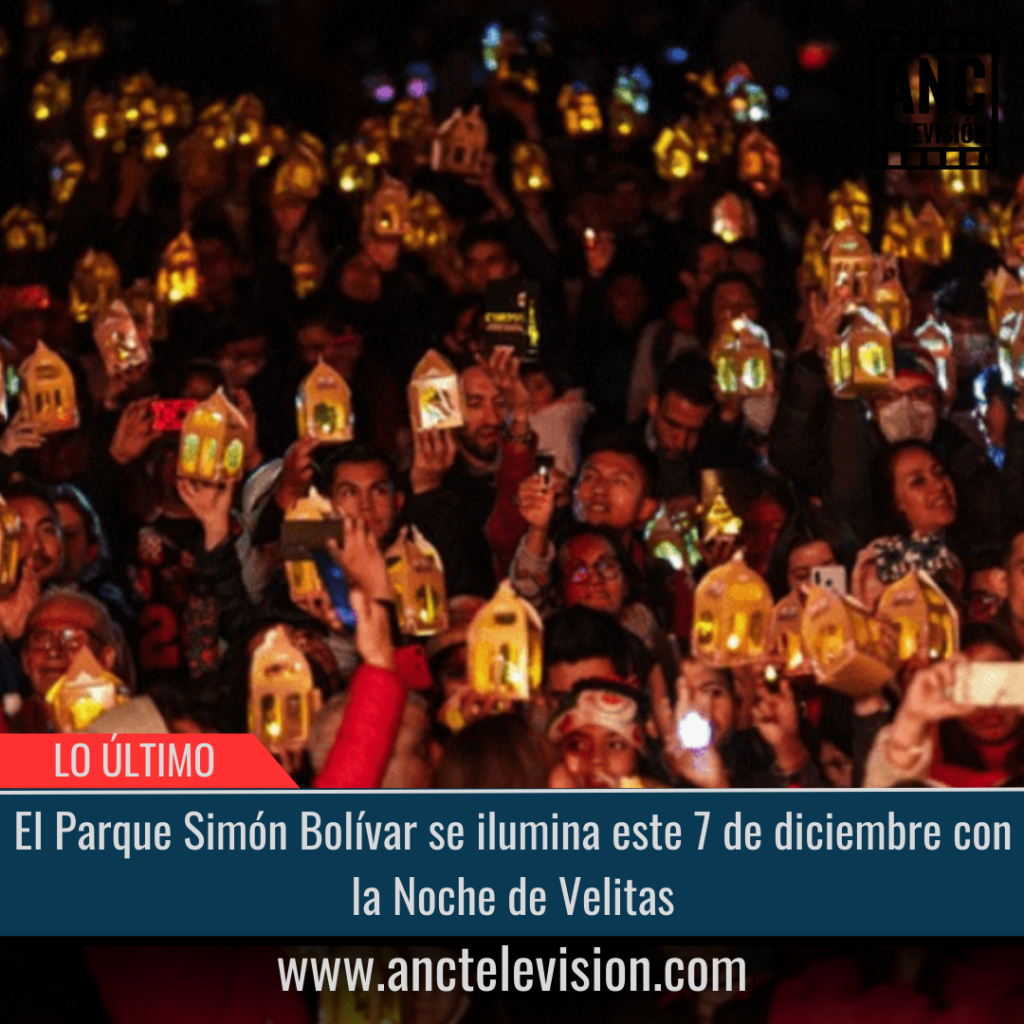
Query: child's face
540,389
597,757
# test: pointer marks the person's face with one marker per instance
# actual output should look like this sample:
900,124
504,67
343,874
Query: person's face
55,635
837,766
598,757
1015,580
485,262
627,300
485,412
986,591
990,725
733,299
540,389
677,423
610,492
593,575
710,693
712,259
40,541
761,527
218,269
805,557
995,419
561,678
905,385
242,360
364,490
339,351
922,491
79,552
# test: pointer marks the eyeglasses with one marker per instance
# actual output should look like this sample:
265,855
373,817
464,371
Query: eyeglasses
607,570
68,640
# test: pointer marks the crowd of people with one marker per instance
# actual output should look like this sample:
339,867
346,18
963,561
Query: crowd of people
568,460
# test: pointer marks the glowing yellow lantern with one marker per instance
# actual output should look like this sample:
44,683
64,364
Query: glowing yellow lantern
926,621
505,650
435,399
888,299
813,269
417,583
119,341
732,218
412,123
212,446
710,142
850,264
675,153
862,361
178,277
60,45
282,698
305,263
895,234
10,536
1004,296
386,215
68,168
154,148
460,144
742,356
301,176
623,120
134,91
850,650
89,44
850,206
248,115
218,124
530,170
48,391
83,693
759,163
324,405
173,108
717,515
51,97
428,224
968,179
23,231
95,283
373,135
305,587
930,240
352,172
937,339
674,538
787,639
731,615
581,112
103,117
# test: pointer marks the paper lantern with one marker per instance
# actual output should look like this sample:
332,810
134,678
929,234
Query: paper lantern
352,171
282,698
717,516
581,113
66,173
51,97
48,391
850,650
746,101
674,538
174,108
930,239
386,214
813,269
10,538
417,583
412,123
1004,296
95,283
970,179
888,299
248,115
732,218
895,234
926,620
712,138
731,615
623,120
212,446
301,176
786,632
460,144
937,339
850,264
135,91
373,137
305,587
154,147
675,153
862,361
505,650
178,277
850,206
120,344
435,398
742,357
103,118
23,230
530,169
59,45
217,125
428,224
759,164
83,693
146,309
324,405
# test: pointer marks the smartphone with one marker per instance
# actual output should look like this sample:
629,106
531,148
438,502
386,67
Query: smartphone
830,577
335,584
301,539
169,413
543,464
989,684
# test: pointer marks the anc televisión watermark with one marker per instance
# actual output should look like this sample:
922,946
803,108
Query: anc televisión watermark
934,99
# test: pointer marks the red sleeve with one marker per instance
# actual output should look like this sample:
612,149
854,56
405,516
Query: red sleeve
368,731
506,526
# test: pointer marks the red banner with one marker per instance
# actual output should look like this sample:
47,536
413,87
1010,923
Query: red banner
179,761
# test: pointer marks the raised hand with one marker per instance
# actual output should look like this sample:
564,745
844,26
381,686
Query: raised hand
434,454
211,505
135,432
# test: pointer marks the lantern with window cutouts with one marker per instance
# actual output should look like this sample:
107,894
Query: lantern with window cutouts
732,615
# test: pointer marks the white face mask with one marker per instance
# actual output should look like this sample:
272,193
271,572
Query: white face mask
907,419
